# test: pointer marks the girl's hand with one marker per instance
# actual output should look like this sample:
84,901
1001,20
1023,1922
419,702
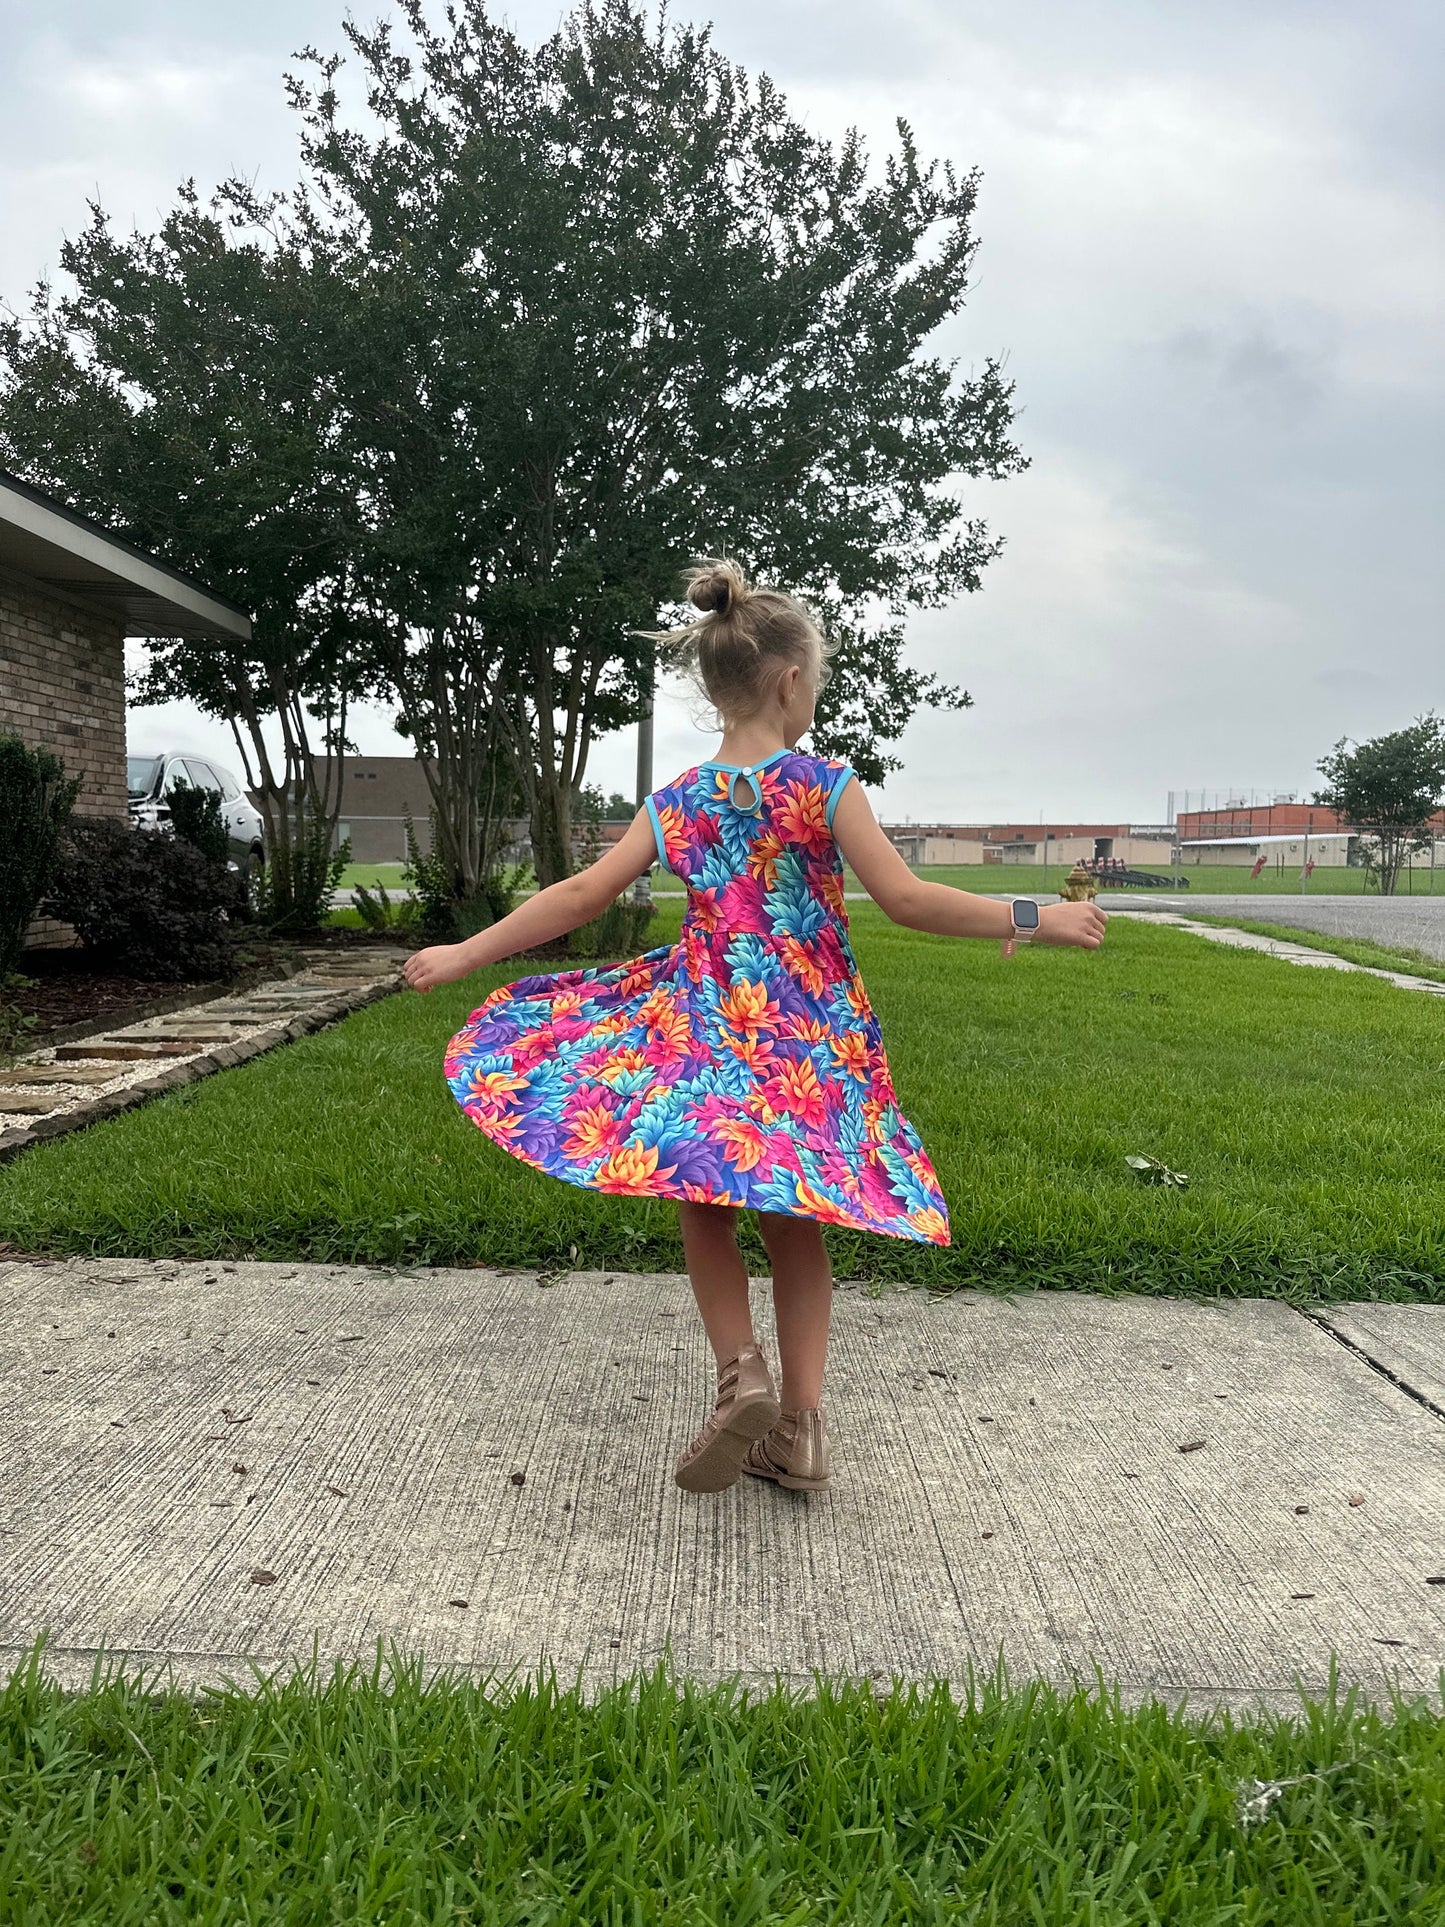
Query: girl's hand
443,963
1078,924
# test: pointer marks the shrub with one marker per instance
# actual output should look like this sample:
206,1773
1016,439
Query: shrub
620,931
149,904
196,815
295,889
443,916
380,912
15,1024
35,800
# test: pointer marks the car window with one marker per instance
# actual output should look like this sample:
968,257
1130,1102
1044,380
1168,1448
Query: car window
202,775
140,774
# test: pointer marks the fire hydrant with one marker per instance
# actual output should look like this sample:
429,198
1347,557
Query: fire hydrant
1079,886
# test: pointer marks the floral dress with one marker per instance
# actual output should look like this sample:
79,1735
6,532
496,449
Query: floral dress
741,1065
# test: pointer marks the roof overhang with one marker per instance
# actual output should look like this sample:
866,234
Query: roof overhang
58,549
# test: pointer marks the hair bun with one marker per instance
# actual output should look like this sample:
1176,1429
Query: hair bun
717,586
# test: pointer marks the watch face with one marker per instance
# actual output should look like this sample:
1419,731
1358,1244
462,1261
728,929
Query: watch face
1026,914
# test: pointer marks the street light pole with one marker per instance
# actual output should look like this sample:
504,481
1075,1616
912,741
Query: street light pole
642,889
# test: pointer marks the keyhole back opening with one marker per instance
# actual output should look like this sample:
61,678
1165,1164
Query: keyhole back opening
751,803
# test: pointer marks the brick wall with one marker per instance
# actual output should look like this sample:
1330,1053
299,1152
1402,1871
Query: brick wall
62,684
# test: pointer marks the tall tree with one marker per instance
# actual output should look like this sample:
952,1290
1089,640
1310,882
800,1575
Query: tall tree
1388,788
535,328
621,307
178,394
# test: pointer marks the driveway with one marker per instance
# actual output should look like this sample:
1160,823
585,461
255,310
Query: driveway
1409,923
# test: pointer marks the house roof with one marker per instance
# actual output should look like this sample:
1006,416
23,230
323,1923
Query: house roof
44,539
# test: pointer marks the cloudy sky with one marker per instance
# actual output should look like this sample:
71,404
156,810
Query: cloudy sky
1211,251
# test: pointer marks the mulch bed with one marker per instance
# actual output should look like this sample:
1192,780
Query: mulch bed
68,996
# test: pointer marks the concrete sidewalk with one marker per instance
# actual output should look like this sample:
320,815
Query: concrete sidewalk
209,1464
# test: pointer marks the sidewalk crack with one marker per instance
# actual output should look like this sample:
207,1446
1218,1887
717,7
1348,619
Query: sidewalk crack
1400,1384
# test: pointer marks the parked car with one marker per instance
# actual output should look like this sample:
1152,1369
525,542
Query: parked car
150,779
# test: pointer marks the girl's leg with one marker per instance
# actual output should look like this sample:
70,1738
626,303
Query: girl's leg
747,1400
719,1276
802,1302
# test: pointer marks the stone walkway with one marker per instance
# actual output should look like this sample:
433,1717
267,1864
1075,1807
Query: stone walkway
214,1464
49,1092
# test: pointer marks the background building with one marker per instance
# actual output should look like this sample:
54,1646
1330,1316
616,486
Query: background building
1145,846
1240,832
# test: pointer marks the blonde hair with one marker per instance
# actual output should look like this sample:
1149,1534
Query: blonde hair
741,634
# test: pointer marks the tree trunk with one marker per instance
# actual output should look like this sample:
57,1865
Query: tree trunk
551,827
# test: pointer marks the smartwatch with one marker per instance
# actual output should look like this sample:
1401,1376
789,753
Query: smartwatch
1025,913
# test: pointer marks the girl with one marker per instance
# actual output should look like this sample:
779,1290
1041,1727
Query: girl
742,1065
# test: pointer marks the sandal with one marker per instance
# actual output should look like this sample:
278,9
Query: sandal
795,1452
747,1405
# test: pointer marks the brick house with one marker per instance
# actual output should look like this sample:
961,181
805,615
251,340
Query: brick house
70,594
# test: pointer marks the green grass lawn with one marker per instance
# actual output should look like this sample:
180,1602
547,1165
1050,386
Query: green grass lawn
368,1798
371,874
1307,1108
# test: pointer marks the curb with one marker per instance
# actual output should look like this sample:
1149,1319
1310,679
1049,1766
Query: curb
223,1058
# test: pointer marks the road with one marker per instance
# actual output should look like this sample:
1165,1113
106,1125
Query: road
1409,923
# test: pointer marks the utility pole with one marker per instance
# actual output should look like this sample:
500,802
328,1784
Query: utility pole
642,889
1304,875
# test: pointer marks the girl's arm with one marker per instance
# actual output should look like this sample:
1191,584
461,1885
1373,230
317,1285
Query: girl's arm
551,913
938,907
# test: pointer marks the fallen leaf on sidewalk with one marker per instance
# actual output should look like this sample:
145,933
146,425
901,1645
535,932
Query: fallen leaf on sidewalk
1387,1642
1194,1445
459,1602
238,1467
262,1578
1301,1509
1357,1498
1437,1579
337,1492
519,1478
1301,1595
